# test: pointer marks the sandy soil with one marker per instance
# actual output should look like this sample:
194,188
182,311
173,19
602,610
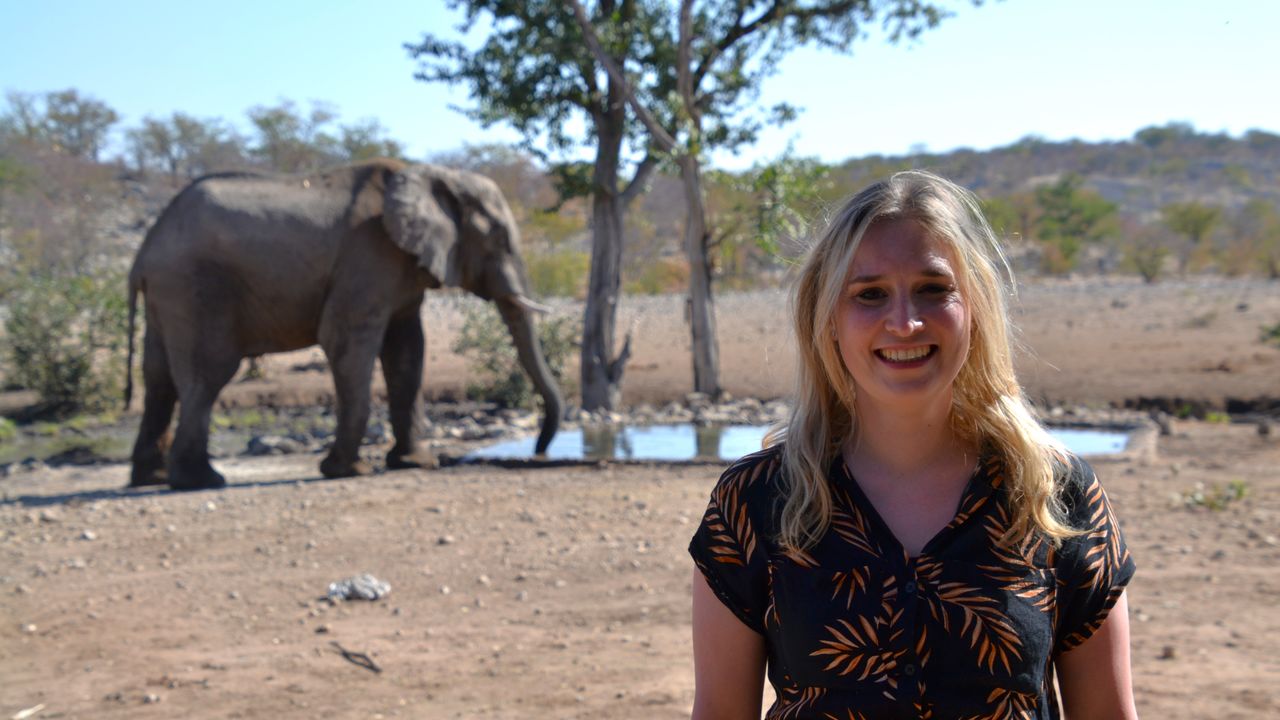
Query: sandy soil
563,591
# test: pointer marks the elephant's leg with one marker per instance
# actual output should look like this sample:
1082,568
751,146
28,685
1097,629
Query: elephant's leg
351,359
198,387
402,354
153,434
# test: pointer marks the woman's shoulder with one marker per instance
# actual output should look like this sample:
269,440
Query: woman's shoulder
755,466
753,477
1079,489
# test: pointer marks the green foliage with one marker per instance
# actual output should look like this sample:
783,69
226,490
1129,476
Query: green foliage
290,141
1144,250
1215,497
1071,216
1012,217
66,338
184,146
484,339
8,430
776,200
551,229
63,121
366,140
665,275
1270,335
1156,137
558,273
1194,221
1217,418
244,419
535,72
1255,233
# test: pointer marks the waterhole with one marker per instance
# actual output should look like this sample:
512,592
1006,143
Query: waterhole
686,441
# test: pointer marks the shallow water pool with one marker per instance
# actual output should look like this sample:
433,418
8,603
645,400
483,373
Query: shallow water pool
686,441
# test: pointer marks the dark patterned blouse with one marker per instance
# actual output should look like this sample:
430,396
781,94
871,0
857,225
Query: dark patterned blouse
856,630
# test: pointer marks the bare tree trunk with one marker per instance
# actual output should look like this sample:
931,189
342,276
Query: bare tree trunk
702,309
601,370
600,373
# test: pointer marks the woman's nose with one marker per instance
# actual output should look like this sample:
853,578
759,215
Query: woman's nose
903,318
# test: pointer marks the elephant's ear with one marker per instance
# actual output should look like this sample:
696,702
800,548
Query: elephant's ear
421,214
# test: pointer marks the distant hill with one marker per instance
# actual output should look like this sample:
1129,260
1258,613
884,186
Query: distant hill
1158,166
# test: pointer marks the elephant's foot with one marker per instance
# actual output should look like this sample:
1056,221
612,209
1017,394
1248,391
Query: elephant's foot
148,472
332,467
414,459
195,476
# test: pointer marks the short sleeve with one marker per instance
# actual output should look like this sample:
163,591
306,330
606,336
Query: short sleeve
1094,567
727,549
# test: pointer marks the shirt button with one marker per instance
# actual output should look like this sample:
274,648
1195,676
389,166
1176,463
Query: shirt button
908,669
909,588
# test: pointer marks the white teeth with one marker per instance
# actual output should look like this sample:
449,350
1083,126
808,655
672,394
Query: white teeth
905,355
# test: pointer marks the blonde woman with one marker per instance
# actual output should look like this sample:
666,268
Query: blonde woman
912,543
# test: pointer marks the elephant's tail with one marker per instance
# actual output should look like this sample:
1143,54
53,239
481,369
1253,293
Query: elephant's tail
134,286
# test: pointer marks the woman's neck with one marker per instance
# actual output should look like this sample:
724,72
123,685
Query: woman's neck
903,445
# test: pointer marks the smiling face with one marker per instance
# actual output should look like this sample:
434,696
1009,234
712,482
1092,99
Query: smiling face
902,324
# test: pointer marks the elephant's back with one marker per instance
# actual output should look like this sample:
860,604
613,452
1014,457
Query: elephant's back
258,250
249,219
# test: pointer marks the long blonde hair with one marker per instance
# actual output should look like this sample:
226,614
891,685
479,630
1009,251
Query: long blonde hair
988,409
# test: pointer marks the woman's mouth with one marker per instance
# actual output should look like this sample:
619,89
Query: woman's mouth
906,355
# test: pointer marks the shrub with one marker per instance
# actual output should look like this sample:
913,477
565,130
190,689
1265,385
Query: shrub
559,273
666,275
66,339
1215,497
484,339
1270,335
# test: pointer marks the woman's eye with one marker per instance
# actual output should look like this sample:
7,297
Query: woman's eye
936,289
870,294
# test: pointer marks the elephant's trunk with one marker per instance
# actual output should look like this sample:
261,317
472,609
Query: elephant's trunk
520,322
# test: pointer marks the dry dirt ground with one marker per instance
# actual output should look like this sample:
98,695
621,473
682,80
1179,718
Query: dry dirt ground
562,591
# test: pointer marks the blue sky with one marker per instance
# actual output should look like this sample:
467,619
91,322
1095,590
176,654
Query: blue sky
1089,69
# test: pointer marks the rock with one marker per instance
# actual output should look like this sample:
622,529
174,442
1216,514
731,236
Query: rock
88,535
359,587
273,445
376,433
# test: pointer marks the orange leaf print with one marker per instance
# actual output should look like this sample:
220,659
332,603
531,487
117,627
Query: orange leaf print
987,629
850,583
793,701
852,648
850,525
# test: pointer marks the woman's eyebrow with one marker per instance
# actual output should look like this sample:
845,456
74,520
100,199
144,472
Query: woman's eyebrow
930,272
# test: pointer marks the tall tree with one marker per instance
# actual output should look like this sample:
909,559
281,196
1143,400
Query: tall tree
724,50
534,72
78,124
1193,221
753,213
65,121
185,146
1071,216
290,141
365,140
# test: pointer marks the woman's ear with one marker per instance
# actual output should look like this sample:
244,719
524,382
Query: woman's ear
420,213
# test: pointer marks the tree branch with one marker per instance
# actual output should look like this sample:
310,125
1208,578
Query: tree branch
637,185
660,135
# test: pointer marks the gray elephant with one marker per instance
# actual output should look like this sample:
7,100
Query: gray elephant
243,264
